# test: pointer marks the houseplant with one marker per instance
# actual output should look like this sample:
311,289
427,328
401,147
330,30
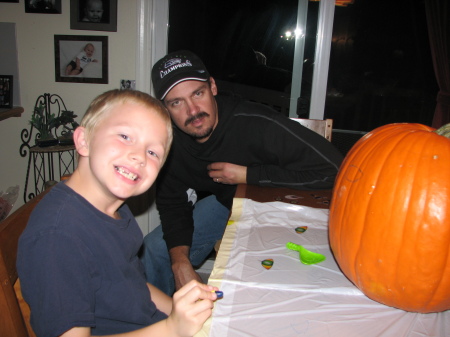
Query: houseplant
47,124
44,123
67,120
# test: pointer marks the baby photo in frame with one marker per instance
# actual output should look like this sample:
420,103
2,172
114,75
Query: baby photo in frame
43,6
93,15
82,59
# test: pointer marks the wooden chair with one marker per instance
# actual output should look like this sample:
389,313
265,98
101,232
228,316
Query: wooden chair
14,311
322,127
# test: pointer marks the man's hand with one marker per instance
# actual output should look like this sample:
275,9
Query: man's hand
183,271
227,173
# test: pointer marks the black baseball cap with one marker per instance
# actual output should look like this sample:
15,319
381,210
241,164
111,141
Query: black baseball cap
176,67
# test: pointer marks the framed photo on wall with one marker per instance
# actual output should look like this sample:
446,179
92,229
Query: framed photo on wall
81,59
43,6
6,91
93,15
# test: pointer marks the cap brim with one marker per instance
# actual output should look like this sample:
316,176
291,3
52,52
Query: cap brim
164,94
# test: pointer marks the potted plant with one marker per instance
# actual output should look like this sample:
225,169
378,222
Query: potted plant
44,124
67,120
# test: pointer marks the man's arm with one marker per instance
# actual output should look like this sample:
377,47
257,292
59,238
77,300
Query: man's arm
227,173
289,155
175,208
182,269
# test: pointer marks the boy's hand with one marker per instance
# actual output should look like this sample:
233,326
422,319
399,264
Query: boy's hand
192,305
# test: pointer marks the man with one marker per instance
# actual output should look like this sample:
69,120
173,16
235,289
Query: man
219,142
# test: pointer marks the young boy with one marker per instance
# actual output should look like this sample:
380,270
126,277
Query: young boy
77,258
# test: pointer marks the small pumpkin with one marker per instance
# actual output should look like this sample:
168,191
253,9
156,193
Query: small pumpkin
389,224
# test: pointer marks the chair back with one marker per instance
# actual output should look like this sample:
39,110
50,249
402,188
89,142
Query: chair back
322,127
14,311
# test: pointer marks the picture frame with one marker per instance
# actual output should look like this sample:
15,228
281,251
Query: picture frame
80,19
94,66
127,84
43,6
6,91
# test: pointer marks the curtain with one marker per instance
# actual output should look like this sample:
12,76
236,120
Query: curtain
438,21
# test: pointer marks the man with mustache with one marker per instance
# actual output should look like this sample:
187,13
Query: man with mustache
219,142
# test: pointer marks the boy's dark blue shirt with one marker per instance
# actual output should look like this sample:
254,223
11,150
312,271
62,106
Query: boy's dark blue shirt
79,268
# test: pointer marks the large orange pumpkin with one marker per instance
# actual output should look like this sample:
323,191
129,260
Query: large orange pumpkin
389,223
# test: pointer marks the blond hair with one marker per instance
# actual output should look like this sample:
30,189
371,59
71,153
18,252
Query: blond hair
104,103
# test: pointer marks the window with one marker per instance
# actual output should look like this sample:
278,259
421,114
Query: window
244,44
380,68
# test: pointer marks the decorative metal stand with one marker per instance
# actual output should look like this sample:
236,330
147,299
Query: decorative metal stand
46,160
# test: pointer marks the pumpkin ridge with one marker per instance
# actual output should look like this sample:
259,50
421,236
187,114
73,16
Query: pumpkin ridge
348,209
380,256
443,284
366,161
410,266
441,287
412,224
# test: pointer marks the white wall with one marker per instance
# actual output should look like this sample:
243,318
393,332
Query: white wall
35,43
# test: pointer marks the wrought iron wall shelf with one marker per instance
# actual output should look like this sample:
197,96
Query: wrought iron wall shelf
46,164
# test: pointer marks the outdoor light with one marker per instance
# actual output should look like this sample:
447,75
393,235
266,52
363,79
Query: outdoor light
342,3
289,35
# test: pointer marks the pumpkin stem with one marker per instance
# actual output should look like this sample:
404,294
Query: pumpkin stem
444,130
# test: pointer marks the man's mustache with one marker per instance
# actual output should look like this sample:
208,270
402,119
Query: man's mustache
193,118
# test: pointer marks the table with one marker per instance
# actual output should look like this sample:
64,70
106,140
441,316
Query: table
316,199
292,299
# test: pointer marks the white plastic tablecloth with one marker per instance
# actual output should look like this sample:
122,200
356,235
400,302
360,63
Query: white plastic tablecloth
293,299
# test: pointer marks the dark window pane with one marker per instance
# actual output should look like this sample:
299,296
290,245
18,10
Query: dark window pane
380,65
242,42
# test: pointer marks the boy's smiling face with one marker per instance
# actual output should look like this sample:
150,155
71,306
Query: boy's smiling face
126,150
